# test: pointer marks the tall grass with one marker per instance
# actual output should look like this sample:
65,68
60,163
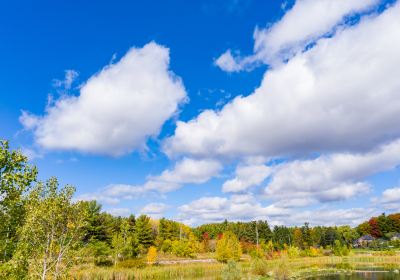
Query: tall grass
282,268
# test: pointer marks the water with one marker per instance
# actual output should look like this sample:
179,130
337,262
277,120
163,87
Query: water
360,276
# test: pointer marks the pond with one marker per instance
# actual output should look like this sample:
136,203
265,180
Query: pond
360,276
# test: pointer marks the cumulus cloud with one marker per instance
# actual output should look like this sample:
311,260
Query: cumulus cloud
330,177
247,176
154,208
331,217
102,198
391,199
229,63
341,95
234,208
186,171
305,22
217,209
70,77
116,110
123,212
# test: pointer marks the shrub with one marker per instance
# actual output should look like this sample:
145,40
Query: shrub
268,248
151,256
257,253
166,246
185,247
228,248
293,252
231,271
339,249
282,271
103,261
259,266
132,263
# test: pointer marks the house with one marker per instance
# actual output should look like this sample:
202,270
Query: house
363,241
395,237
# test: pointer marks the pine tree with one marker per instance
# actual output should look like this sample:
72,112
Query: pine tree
144,231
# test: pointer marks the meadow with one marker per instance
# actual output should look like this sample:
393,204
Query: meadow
247,268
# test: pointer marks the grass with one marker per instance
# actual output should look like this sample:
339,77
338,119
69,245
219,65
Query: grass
282,268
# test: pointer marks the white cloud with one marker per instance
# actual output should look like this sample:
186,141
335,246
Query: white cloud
330,177
391,199
31,154
304,23
123,212
98,197
331,217
70,77
247,176
154,208
217,209
117,109
227,62
341,95
186,171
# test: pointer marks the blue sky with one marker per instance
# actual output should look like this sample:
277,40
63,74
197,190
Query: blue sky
206,110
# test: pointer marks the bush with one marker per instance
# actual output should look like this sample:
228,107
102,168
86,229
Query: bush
268,248
293,252
166,246
259,266
339,249
185,248
103,261
282,271
231,271
257,253
132,263
151,256
228,248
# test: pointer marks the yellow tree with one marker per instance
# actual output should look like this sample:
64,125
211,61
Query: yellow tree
228,248
151,256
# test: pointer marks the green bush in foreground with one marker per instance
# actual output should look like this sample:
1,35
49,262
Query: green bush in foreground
231,271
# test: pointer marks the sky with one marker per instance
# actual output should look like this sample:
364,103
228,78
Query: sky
200,111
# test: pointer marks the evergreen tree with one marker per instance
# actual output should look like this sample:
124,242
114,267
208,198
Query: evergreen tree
306,235
144,231
264,231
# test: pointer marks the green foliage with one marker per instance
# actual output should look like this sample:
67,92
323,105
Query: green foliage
259,266
257,253
16,178
282,235
100,226
166,246
281,270
231,271
98,249
185,247
339,249
228,248
52,230
293,252
144,231
168,230
132,263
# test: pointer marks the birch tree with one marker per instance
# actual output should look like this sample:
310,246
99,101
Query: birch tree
53,228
